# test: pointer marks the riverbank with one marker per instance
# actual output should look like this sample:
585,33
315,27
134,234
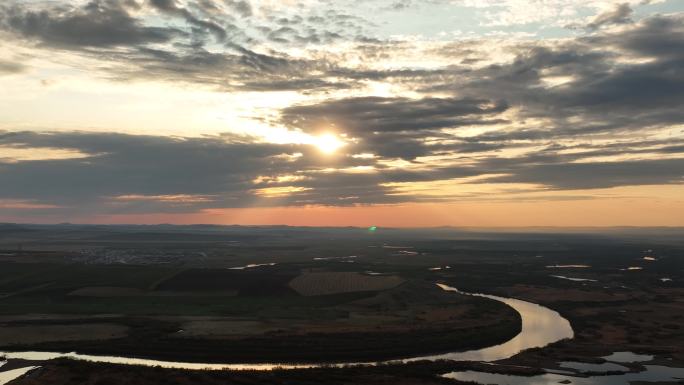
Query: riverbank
412,320
73,372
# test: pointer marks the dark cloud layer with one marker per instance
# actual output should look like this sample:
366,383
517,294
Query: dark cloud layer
134,51
7,67
592,175
224,168
126,164
231,172
98,24
367,115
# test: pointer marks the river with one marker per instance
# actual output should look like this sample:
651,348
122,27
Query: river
540,327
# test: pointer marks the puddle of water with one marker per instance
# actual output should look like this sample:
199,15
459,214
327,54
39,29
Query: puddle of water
574,279
334,258
251,266
627,357
401,253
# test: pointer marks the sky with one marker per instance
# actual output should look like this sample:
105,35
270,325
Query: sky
399,113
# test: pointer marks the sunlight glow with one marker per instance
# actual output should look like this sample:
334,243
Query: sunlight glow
328,143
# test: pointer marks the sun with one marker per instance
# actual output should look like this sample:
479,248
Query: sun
328,143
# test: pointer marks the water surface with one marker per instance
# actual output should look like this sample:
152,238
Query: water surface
627,357
540,327
13,374
574,279
652,373
251,266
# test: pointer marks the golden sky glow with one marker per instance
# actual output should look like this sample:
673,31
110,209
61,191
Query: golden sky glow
328,143
601,212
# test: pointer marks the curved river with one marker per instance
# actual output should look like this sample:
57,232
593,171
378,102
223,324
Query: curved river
540,327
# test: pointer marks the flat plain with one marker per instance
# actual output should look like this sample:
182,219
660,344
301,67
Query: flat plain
305,295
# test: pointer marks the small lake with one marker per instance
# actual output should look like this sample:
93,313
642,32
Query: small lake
626,357
540,327
251,266
652,373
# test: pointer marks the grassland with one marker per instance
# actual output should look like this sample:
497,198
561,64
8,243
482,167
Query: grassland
189,305
67,372
35,334
270,323
326,283
346,313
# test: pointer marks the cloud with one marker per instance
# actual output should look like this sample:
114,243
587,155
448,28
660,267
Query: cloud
394,127
127,164
630,80
97,24
130,48
621,14
7,67
170,7
368,115
142,173
659,37
228,169
593,175
243,8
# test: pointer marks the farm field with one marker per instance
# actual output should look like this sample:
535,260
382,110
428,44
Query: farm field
310,284
253,308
